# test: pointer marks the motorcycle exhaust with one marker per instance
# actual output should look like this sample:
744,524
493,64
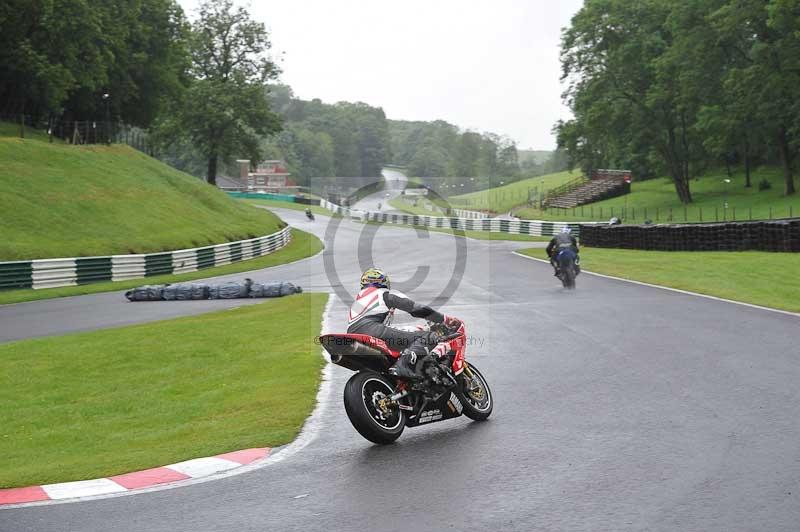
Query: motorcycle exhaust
354,355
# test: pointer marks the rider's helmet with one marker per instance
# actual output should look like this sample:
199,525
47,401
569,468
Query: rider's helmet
566,229
375,277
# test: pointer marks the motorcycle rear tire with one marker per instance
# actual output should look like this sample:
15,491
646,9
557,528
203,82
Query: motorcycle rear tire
365,421
568,278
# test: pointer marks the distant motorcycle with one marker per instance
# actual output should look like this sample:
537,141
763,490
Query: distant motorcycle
310,215
380,405
567,261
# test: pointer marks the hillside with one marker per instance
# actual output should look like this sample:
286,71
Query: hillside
62,201
504,198
658,197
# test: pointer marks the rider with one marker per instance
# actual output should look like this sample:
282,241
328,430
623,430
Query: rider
371,314
563,240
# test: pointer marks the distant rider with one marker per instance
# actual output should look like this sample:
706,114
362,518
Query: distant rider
372,312
563,240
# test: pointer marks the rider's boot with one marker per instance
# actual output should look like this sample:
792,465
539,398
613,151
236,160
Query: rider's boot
405,367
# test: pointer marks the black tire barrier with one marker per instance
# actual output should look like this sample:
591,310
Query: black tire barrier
227,290
774,235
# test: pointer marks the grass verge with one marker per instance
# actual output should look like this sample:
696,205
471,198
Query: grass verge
400,205
107,402
755,277
302,245
506,197
316,209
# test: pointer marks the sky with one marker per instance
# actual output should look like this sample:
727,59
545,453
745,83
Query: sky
483,66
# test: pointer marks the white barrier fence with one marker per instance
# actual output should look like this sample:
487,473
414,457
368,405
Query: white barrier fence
492,225
50,273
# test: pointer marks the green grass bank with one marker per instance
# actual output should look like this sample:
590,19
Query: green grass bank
504,198
759,278
656,200
108,402
66,201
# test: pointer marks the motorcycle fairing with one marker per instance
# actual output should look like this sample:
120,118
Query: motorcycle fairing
447,406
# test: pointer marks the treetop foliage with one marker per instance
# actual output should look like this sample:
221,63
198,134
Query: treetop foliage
676,87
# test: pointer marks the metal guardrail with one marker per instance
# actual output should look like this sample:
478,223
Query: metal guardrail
475,215
51,273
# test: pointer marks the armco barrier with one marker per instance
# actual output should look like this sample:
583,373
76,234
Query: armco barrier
493,225
775,235
50,273
463,213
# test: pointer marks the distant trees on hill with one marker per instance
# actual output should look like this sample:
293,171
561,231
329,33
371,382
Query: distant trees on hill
676,87
328,140
440,149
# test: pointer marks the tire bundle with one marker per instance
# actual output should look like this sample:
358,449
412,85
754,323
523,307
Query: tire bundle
199,291
185,292
230,290
274,289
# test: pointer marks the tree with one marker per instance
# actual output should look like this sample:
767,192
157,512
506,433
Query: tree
225,109
766,78
625,90
59,58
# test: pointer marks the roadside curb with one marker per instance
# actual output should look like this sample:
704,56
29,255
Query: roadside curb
188,469
678,290
188,472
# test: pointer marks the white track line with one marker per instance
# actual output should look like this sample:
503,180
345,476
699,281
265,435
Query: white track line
308,433
759,307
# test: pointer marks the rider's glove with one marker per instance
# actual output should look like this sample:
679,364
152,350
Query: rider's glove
452,322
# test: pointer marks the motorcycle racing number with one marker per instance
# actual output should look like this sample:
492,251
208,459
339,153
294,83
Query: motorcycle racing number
430,415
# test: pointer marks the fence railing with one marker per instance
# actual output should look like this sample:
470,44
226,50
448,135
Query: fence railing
687,214
51,273
81,131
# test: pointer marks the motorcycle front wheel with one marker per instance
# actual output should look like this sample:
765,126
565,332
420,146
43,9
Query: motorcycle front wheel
475,394
362,402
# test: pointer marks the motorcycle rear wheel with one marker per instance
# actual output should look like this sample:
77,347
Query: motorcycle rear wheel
361,395
568,278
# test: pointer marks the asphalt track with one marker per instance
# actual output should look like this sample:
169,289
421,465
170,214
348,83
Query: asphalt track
618,407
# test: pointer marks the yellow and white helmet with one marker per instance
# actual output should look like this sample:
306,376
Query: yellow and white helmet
375,277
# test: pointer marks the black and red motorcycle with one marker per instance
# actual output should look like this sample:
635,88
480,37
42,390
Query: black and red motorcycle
380,405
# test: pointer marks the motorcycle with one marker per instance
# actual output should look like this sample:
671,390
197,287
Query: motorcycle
380,406
567,261
310,215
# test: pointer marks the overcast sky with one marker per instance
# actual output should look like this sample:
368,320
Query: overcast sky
485,66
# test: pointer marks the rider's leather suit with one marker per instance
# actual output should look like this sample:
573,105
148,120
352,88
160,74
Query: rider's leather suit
372,311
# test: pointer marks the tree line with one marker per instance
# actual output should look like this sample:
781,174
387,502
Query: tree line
198,86
674,87
441,149
205,89
322,140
